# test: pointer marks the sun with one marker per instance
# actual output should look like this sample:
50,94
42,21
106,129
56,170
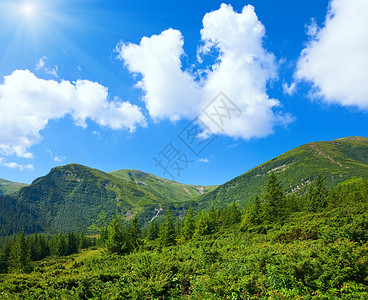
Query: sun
28,9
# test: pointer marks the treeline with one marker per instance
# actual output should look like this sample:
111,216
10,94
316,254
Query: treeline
274,207
121,239
19,250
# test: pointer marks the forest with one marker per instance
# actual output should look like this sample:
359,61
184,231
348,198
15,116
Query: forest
281,246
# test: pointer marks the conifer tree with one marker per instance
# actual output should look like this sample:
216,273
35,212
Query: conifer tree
167,231
115,241
274,199
153,231
317,197
20,255
253,214
201,225
234,214
5,256
61,246
188,228
134,234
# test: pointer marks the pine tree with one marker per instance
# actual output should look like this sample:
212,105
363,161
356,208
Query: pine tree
188,228
72,242
317,197
5,255
115,241
20,254
103,236
201,225
253,214
167,231
153,231
61,246
234,214
274,199
134,234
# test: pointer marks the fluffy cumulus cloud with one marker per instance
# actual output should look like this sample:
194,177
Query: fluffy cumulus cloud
241,71
27,103
336,58
169,91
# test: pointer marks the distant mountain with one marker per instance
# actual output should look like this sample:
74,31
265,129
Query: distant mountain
75,197
337,161
167,189
9,187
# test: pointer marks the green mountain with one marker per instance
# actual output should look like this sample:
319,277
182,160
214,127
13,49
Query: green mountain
337,161
167,189
75,197
9,187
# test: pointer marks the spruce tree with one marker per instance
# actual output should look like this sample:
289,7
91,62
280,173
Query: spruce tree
20,254
134,234
153,231
274,199
167,231
188,228
115,241
317,197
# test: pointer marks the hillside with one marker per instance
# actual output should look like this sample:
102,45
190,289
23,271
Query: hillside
336,161
167,189
9,187
75,197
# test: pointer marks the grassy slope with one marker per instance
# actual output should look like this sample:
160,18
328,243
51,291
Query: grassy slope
167,189
337,161
9,187
75,197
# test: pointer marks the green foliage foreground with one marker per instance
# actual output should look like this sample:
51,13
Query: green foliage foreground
301,249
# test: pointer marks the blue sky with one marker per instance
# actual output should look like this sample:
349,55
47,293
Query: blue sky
114,84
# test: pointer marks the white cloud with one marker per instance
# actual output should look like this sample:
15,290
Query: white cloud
170,92
56,158
335,60
289,89
41,65
14,165
27,103
242,71
204,160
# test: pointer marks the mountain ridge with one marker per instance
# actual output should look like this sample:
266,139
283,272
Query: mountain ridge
10,187
337,160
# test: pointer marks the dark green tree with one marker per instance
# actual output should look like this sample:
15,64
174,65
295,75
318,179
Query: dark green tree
253,214
61,245
274,199
167,233
188,228
153,230
134,234
5,256
201,225
20,254
116,240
